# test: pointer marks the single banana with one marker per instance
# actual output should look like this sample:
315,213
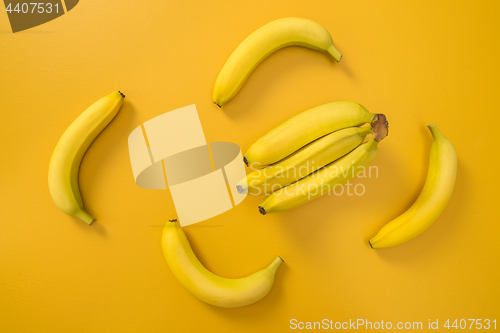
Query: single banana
304,128
432,200
205,285
324,180
263,42
303,162
67,156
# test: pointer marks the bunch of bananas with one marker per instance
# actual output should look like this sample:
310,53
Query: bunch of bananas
311,153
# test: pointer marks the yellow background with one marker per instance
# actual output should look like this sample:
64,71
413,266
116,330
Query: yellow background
419,62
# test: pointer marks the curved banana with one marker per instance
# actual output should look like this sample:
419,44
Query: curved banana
65,162
304,161
304,128
207,286
431,201
324,180
264,41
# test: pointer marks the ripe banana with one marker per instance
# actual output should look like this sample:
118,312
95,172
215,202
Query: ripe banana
304,128
324,180
304,161
65,162
263,42
431,201
205,285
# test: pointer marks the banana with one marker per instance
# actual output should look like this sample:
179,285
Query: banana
68,153
324,180
304,128
263,42
304,161
432,200
205,285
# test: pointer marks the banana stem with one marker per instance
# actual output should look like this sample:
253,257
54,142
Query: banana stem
332,50
372,143
85,217
434,131
380,127
367,130
276,264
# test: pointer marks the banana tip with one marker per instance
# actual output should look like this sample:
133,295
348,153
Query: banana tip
369,242
92,222
121,93
245,160
239,188
220,106
262,210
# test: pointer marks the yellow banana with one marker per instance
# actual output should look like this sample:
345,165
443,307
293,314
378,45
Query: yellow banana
432,200
207,286
304,161
67,156
324,180
304,128
263,42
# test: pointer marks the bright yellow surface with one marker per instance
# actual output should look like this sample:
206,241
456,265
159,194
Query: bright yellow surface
419,62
